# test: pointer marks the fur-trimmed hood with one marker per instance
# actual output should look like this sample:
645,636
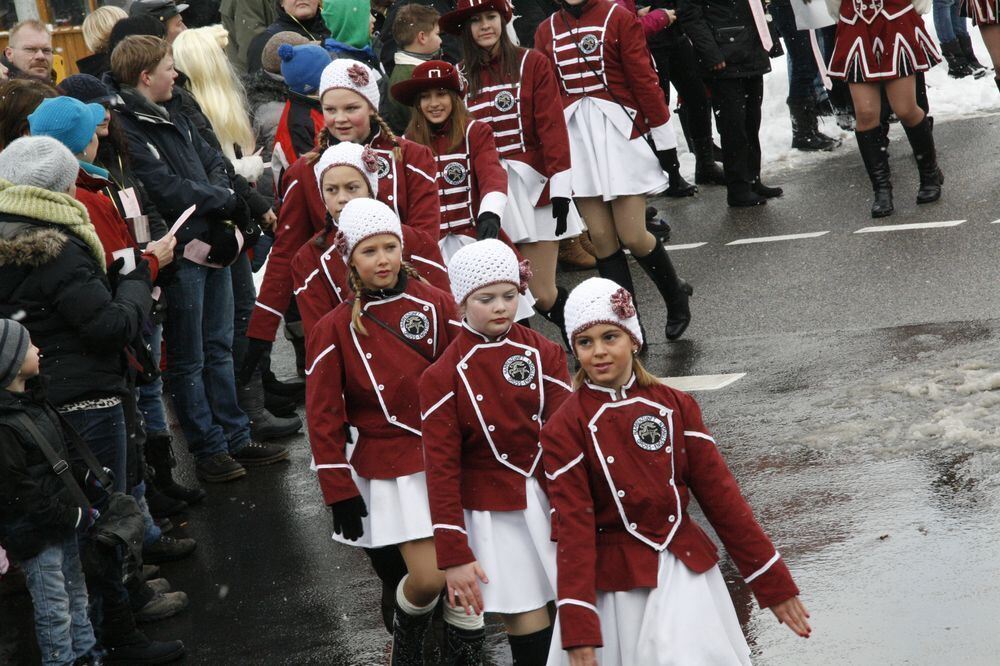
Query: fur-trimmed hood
28,244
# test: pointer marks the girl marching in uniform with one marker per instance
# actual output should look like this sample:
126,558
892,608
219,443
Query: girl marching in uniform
638,580
513,90
362,359
349,96
620,140
884,43
484,402
346,172
986,14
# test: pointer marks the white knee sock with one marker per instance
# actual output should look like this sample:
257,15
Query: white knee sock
409,608
457,617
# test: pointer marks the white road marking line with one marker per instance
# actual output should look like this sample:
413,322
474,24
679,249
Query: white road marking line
689,246
702,382
908,227
995,222
772,239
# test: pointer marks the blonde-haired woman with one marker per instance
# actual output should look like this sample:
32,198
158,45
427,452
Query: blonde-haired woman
96,31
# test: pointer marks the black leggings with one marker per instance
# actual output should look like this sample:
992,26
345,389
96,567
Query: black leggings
676,65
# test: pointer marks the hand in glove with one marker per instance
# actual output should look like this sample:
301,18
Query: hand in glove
256,349
668,160
487,226
560,212
347,515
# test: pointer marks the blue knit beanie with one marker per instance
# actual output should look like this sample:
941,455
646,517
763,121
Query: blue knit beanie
68,120
302,66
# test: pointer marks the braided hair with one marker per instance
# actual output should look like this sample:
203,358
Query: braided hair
358,287
324,140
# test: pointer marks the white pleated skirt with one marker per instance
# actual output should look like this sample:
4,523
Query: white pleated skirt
687,619
522,220
515,550
398,511
606,163
452,243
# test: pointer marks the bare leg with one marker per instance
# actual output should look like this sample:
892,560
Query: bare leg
600,223
991,36
425,581
520,624
543,256
902,94
630,224
867,98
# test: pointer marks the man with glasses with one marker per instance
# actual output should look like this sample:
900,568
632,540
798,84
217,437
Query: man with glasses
29,51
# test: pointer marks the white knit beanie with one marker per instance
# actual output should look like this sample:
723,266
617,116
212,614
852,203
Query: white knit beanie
601,301
39,161
484,264
351,75
345,153
361,219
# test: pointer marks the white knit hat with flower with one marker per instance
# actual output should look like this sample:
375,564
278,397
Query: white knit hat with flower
360,220
483,264
600,301
349,154
350,75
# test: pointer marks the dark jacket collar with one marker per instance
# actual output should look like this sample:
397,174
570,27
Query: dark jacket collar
382,294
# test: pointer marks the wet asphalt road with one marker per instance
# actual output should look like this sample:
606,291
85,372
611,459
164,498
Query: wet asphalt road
866,434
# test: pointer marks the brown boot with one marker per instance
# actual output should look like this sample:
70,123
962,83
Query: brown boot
572,256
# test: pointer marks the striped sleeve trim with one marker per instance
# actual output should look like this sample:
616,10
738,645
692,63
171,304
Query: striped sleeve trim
565,468
763,569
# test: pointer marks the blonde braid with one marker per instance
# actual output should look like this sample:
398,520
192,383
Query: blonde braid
355,281
322,143
397,152
413,272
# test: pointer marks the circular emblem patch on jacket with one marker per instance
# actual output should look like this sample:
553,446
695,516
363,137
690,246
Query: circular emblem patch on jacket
383,167
649,432
454,173
589,44
504,101
519,370
414,325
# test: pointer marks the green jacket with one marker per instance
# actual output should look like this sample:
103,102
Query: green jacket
244,20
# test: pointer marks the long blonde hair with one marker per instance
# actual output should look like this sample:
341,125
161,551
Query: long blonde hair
216,87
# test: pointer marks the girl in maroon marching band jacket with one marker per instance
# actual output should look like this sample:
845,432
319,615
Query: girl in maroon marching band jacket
612,100
349,96
884,43
986,14
345,172
623,456
512,89
484,402
362,359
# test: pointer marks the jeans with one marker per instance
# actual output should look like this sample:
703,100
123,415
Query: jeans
104,432
199,378
55,580
153,531
150,399
244,295
737,115
802,70
948,21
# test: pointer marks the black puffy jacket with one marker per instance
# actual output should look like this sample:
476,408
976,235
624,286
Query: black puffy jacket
52,277
313,29
724,30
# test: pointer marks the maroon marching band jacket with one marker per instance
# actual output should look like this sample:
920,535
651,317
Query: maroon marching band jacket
483,405
621,471
603,50
320,274
407,186
520,114
370,383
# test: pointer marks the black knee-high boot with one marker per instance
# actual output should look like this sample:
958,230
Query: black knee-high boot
463,647
873,145
390,568
675,291
615,268
921,138
531,649
556,313
408,633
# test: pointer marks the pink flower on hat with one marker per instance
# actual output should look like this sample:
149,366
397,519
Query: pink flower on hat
370,159
621,304
340,243
358,75
525,273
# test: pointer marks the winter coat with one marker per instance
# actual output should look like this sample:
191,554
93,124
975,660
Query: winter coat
313,29
451,46
36,509
529,13
393,112
123,177
301,121
96,64
57,278
266,98
177,166
244,20
724,31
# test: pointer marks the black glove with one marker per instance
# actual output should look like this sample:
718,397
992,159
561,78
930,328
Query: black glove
222,239
487,226
668,160
347,515
140,273
251,360
560,211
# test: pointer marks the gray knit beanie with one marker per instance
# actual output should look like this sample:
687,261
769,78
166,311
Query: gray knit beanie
40,161
14,342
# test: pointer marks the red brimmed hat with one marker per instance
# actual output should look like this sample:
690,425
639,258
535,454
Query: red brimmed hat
453,21
430,75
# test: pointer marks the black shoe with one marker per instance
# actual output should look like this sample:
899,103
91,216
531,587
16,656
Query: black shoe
408,633
263,425
218,468
161,505
706,170
150,571
255,454
137,648
679,188
168,549
965,46
160,457
656,226
463,647
958,66
294,388
556,314
763,190
921,137
279,405
162,606
743,196
805,129
675,291
873,145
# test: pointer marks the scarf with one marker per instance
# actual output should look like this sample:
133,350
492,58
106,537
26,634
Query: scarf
55,208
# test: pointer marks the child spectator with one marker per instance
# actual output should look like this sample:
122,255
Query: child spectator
416,31
39,519
302,118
